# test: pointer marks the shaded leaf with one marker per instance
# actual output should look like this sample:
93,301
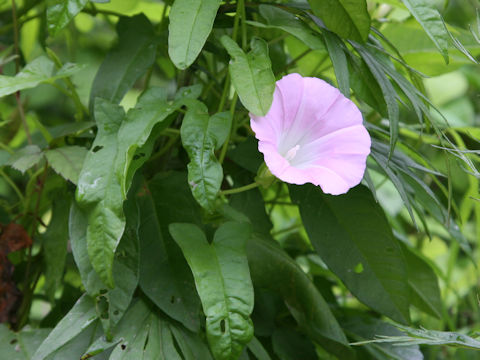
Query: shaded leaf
371,264
251,74
126,62
191,22
55,240
272,268
423,283
164,274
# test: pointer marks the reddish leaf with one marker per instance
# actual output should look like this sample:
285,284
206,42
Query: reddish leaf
13,237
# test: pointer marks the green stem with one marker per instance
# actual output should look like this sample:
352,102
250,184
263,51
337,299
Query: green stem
12,185
240,189
223,152
21,112
241,5
225,91
73,92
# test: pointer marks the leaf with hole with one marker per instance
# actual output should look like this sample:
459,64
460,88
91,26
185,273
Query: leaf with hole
223,282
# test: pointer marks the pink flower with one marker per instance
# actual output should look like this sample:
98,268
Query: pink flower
312,133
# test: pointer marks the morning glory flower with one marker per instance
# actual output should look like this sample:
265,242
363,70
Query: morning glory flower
313,134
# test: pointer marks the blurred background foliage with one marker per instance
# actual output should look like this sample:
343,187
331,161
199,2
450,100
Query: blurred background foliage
57,114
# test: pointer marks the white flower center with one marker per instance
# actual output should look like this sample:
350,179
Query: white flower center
290,155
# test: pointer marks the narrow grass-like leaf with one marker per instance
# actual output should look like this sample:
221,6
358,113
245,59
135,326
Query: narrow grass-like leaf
432,23
191,22
251,74
337,54
372,265
223,282
427,337
280,19
363,327
388,92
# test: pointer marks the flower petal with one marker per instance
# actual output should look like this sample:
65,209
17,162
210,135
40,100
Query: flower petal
313,134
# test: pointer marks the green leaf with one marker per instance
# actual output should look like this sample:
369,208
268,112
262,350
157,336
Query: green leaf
339,60
388,91
111,304
273,269
191,345
99,191
372,264
223,282
164,274
125,63
201,136
25,158
125,272
61,12
81,316
251,74
363,327
432,23
21,345
77,230
423,283
427,337
288,344
347,18
40,70
67,161
280,19
151,110
257,349
191,22
143,334
55,241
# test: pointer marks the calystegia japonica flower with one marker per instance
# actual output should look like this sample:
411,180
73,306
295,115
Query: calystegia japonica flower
313,134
